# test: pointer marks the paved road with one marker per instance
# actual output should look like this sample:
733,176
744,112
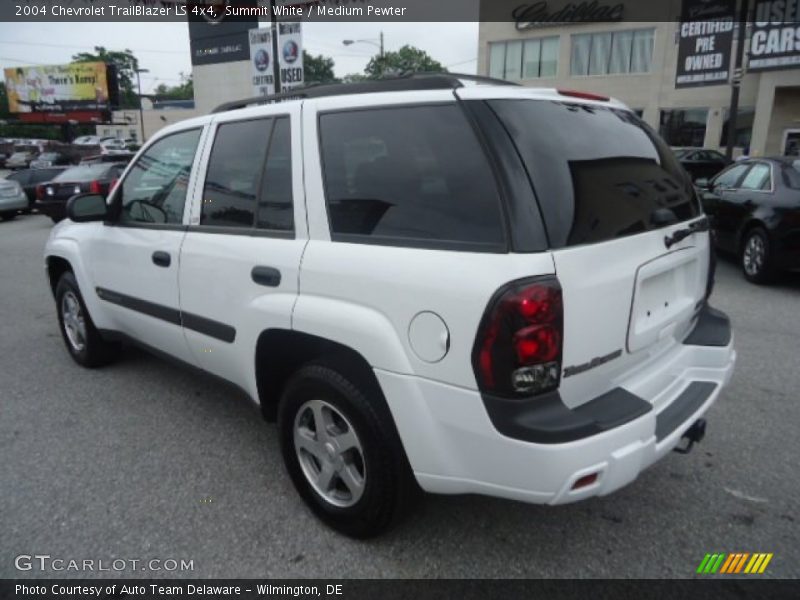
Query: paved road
144,460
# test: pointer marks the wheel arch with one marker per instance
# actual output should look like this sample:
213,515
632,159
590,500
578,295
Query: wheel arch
281,352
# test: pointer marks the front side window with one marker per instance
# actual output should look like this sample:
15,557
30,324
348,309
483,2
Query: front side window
409,176
615,52
757,178
728,179
154,191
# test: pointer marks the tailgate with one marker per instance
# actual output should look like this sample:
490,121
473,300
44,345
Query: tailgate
611,193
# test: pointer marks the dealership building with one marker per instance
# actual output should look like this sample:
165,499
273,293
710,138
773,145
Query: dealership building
671,64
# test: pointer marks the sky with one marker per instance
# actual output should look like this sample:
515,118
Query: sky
163,48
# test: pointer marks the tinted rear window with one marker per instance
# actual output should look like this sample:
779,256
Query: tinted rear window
599,173
409,176
83,173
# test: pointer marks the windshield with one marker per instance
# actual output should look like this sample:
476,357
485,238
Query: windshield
49,156
82,173
599,172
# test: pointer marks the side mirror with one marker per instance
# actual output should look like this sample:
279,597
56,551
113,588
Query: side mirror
702,183
83,208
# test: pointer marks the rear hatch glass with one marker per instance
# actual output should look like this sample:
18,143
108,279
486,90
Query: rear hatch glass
599,172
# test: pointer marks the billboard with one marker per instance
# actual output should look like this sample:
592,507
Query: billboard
705,38
775,37
59,88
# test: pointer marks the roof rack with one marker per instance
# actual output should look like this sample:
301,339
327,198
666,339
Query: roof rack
401,83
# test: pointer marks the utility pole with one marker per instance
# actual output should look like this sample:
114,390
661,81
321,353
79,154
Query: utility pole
741,28
276,68
141,110
382,46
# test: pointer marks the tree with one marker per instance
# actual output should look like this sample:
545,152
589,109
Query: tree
318,69
183,91
126,64
406,60
4,110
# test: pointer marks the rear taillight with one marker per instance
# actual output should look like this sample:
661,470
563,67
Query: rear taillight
518,348
94,187
40,192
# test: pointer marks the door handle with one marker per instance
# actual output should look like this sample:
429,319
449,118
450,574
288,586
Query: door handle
267,276
161,259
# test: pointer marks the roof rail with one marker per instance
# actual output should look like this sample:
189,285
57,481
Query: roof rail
411,81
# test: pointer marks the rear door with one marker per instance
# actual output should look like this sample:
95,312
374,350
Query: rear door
240,261
612,194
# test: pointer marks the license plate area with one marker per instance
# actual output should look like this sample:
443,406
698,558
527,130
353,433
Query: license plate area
666,292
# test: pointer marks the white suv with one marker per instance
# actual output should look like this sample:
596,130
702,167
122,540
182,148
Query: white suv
461,286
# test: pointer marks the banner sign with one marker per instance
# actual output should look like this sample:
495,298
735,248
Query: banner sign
775,39
290,54
261,68
58,88
704,43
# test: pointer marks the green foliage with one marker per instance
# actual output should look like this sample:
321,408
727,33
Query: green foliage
318,69
406,60
126,64
183,91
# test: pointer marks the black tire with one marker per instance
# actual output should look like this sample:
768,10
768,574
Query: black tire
56,219
755,257
95,351
388,484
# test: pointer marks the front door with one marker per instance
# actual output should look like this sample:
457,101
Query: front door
134,257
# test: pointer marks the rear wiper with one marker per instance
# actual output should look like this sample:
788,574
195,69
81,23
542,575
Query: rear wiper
680,234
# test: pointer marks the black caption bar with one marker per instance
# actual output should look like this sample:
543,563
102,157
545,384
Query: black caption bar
525,14
279,589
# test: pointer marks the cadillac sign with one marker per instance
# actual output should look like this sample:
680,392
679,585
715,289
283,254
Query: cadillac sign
531,16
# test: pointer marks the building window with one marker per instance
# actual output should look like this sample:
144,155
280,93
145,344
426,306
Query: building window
518,60
684,127
615,52
744,128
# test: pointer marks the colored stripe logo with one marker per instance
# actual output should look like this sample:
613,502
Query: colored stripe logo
735,563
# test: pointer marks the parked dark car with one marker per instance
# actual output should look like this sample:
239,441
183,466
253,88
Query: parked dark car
700,162
50,159
51,197
30,178
754,207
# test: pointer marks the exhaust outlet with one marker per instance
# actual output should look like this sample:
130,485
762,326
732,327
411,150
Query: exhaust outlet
693,435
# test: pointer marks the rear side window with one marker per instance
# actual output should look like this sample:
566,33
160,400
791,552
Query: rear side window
409,176
599,173
250,174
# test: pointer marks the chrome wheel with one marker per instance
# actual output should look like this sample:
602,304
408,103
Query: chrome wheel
74,322
754,255
330,453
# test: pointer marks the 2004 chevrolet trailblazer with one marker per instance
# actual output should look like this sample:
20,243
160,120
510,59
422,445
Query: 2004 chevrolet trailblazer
461,286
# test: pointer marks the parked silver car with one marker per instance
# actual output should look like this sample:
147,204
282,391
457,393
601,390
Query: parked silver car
12,199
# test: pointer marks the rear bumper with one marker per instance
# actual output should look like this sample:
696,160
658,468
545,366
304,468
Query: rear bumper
55,209
454,446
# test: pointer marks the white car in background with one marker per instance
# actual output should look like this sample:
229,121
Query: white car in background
12,199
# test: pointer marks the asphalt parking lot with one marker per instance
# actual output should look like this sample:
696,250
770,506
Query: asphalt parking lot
144,460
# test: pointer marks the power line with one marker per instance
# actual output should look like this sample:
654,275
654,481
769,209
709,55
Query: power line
84,47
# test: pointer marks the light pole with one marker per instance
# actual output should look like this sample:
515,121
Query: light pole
141,111
377,43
